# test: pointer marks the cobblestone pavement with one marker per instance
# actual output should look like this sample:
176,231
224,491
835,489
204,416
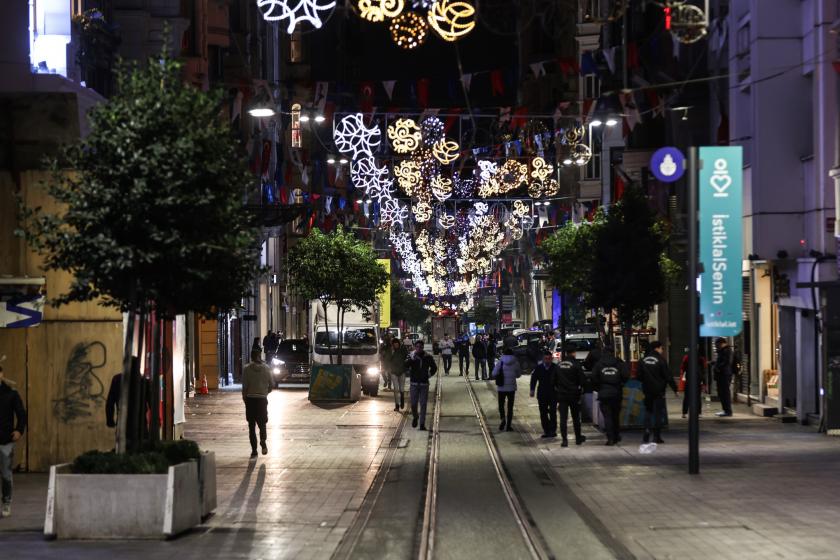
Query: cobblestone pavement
296,502
766,489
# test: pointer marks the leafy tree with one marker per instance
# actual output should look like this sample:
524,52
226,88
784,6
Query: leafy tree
486,315
631,270
569,254
406,307
336,269
151,216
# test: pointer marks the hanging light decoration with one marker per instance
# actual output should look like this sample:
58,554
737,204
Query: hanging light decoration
405,136
452,19
353,137
295,11
409,30
432,130
445,151
422,212
379,10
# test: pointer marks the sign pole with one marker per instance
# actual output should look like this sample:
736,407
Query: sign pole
692,385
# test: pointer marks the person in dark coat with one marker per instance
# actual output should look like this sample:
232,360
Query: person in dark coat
656,377
479,352
701,369
12,427
506,372
394,362
463,348
544,382
723,376
570,381
421,367
609,376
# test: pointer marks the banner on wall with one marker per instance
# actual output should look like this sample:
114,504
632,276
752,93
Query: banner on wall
385,297
720,196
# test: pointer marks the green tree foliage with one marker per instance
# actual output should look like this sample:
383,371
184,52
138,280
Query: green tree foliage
631,270
406,307
336,269
486,315
152,203
570,255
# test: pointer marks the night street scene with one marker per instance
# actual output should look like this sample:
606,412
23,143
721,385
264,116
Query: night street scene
419,279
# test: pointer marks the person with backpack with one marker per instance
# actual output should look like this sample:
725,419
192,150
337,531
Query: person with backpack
570,381
422,368
544,382
479,352
609,376
656,377
506,372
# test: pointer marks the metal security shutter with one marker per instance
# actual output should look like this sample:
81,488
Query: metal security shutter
747,298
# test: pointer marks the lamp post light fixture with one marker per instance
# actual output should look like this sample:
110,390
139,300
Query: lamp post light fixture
331,159
261,111
320,118
611,122
343,161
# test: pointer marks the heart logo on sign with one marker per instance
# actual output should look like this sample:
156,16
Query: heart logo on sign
721,182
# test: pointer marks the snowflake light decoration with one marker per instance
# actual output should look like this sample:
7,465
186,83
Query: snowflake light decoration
378,10
452,19
409,30
432,129
295,11
366,173
445,151
353,137
405,136
391,212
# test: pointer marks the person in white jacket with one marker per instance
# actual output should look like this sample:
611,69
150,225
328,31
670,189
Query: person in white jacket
446,347
506,372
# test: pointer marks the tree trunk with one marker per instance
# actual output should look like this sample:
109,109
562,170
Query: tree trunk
136,410
340,320
326,329
154,404
128,350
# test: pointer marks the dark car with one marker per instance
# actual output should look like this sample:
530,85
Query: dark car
290,364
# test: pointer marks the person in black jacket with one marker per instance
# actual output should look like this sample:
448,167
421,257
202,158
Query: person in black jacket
544,381
463,347
723,376
12,426
656,377
421,368
609,376
479,352
570,380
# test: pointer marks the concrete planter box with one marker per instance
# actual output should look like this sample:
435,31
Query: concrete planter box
129,506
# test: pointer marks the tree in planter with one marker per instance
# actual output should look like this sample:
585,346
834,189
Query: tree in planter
569,254
631,269
406,307
336,269
151,218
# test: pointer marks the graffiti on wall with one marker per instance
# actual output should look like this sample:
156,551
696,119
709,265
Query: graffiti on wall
82,391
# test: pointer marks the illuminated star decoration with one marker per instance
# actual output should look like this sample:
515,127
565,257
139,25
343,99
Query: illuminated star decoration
405,136
451,19
391,212
378,10
353,137
367,175
301,10
409,30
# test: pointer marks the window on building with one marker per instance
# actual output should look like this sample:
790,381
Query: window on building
49,33
591,86
592,170
296,47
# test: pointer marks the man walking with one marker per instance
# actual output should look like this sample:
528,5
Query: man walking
446,345
609,377
256,385
544,381
12,426
506,372
570,381
464,355
656,377
723,376
395,357
421,368
479,352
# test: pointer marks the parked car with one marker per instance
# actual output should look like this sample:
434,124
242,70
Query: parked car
290,364
414,337
582,344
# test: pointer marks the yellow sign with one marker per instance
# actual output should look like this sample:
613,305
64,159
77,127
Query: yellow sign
385,297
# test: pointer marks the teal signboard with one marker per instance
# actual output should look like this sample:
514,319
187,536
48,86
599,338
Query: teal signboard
720,187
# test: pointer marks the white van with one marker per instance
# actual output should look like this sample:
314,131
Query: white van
360,341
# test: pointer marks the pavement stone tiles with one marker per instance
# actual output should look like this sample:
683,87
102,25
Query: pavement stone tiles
766,489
